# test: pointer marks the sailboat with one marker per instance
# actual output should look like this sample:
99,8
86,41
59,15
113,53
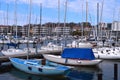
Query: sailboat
84,44
106,52
74,57
13,51
38,66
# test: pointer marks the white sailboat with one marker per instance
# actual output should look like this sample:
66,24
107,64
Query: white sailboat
74,57
107,53
12,51
50,47
82,43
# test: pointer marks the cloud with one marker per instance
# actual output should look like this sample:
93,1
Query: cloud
46,3
108,8
1,11
75,8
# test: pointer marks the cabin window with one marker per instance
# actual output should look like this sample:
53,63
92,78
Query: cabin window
101,51
98,56
39,69
10,50
29,68
106,50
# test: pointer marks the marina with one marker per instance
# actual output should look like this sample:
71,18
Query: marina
106,70
36,44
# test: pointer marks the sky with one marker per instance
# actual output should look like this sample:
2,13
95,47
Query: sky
19,13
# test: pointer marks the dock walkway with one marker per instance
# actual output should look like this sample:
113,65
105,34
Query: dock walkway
31,55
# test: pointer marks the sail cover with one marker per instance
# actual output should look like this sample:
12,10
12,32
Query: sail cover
78,53
12,44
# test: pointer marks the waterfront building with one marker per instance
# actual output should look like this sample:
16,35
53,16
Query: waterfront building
19,30
116,29
36,30
53,29
3,29
116,26
44,30
102,29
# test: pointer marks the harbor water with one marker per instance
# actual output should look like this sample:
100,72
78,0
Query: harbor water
104,71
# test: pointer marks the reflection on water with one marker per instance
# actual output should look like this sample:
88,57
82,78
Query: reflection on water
83,73
78,73
106,68
24,76
8,72
5,68
88,69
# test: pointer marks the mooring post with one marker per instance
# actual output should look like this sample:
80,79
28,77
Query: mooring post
36,49
1,48
115,71
8,47
99,76
34,44
0,63
18,44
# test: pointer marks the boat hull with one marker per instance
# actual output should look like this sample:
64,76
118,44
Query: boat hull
74,62
107,53
106,56
12,52
37,69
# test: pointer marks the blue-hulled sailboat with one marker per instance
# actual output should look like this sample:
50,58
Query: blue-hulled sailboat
39,67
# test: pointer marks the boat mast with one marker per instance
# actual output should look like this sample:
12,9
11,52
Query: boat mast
15,17
65,22
82,24
92,30
101,19
29,20
40,18
97,30
58,15
65,16
29,28
7,16
58,24
86,12
112,25
86,15
117,27
4,20
0,17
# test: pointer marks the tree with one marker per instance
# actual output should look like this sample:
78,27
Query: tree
86,24
76,33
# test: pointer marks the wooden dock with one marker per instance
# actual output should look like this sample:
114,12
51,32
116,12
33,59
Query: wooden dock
31,55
